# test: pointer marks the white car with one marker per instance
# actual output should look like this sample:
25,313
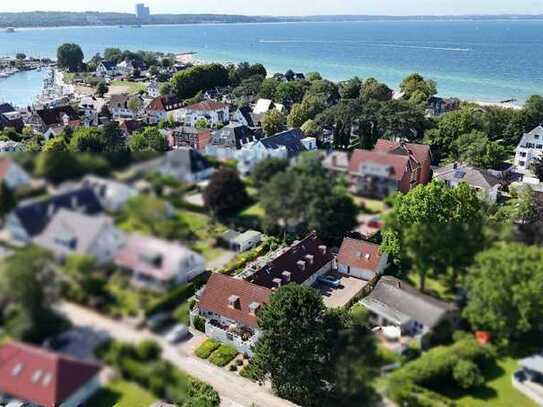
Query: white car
178,333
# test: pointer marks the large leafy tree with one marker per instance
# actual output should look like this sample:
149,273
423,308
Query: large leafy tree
70,57
149,139
476,149
225,193
505,286
435,229
416,89
273,122
265,170
189,82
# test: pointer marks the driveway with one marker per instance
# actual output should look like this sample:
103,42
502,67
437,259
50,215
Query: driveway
234,390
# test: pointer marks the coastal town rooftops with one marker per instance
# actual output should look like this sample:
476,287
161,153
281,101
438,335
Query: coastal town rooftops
233,298
207,106
109,65
165,104
40,376
397,164
359,254
421,152
476,177
265,105
55,115
402,302
290,139
295,264
6,108
233,135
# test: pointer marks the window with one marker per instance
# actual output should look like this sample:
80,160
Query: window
522,163
523,155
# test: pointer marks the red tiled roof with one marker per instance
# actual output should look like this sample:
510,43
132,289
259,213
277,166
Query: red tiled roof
164,104
399,164
220,288
421,152
359,254
207,106
41,377
5,163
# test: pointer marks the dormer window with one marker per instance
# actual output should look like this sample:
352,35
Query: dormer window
36,376
17,369
277,282
301,265
310,258
233,302
253,308
67,240
286,276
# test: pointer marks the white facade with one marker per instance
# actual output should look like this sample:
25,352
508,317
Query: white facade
529,149
112,195
362,273
213,117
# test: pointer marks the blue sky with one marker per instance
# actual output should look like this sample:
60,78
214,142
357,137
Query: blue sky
290,7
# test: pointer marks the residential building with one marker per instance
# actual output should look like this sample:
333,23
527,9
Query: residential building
130,126
10,118
301,263
214,113
240,242
118,106
361,259
43,119
396,303
337,162
186,165
156,264
43,378
11,146
113,195
286,145
153,89
243,116
225,142
436,106
185,136
265,105
529,378
487,185
31,217
73,233
529,149
129,68
142,11
106,69
419,154
230,306
164,108
13,174
90,108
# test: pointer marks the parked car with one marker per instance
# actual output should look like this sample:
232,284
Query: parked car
329,280
177,334
159,321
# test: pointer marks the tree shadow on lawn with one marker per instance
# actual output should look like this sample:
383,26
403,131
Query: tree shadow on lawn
105,398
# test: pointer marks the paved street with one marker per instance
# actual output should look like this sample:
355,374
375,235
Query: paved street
234,390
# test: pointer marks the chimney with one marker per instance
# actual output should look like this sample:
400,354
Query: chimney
310,258
233,302
73,202
50,210
322,249
301,265
277,282
286,276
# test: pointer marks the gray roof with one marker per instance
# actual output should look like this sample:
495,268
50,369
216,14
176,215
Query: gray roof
71,232
184,160
534,363
290,139
402,302
234,136
475,177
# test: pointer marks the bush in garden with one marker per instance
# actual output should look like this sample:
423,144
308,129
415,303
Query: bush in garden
223,355
200,324
207,348
148,350
202,395
467,374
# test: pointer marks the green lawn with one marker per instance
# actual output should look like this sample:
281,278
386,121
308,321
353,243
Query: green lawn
371,206
131,87
499,390
120,393
250,217
207,348
433,287
223,355
205,231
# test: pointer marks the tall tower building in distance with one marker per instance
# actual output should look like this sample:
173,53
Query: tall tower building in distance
142,11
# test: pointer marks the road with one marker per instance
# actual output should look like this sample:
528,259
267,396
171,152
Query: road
234,390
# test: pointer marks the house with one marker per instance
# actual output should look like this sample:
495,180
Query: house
43,378
301,263
361,259
485,182
43,119
90,109
265,105
240,242
529,149
73,233
436,106
419,154
130,126
153,89
185,136
286,145
230,306
11,146
529,378
396,303
10,118
156,264
214,113
113,195
118,106
54,132
128,68
243,116
337,162
31,217
186,165
106,69
164,108
231,138
13,174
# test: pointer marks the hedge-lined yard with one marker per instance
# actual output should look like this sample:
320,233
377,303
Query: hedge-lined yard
207,348
223,355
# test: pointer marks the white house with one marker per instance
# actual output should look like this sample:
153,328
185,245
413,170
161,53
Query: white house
73,233
153,89
118,106
106,69
13,174
215,113
112,195
89,110
529,149
241,242
164,108
265,105
361,259
285,145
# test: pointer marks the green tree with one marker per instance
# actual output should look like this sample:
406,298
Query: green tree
435,229
476,149
268,88
289,93
166,89
8,201
373,89
88,140
102,89
189,82
225,193
265,170
467,374
350,89
201,123
533,111
310,128
56,166
506,282
308,109
417,89
273,122
70,57
149,139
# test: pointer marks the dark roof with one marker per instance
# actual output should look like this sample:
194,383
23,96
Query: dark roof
246,113
291,139
109,65
34,215
220,288
54,116
233,136
187,159
40,376
17,124
165,104
291,261
6,108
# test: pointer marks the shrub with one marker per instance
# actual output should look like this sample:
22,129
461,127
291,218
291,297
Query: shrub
248,372
148,350
467,374
233,368
202,394
223,355
239,362
207,348
200,324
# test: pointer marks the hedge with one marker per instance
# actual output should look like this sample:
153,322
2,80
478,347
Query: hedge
176,296
223,355
207,348
240,261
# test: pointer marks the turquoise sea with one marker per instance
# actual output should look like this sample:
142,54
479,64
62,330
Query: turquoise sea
477,60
